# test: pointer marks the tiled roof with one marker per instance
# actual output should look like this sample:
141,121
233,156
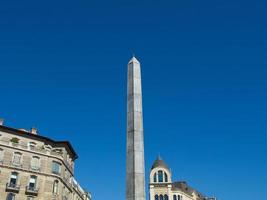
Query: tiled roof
182,186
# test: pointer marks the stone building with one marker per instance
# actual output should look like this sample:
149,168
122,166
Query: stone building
161,186
33,167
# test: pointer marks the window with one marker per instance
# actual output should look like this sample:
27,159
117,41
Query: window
160,176
1,155
55,187
56,167
161,197
35,163
31,145
13,179
10,196
155,177
179,197
17,158
48,147
156,197
174,197
166,177
166,197
32,182
66,174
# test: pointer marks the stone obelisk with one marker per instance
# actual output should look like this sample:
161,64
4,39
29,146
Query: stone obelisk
135,169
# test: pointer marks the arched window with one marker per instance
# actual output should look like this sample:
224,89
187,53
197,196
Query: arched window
10,196
160,176
166,177
55,187
13,179
17,158
161,197
32,182
155,177
156,197
179,197
166,197
35,163
174,197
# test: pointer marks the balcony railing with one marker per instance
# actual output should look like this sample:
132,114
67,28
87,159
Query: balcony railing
32,190
12,187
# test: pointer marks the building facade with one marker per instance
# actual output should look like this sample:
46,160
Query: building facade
161,186
33,167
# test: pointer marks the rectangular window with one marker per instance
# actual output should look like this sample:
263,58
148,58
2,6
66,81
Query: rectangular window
10,196
35,163
1,155
17,158
56,167
13,179
55,187
32,182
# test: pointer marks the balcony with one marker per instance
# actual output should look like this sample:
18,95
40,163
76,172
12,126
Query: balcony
12,187
32,190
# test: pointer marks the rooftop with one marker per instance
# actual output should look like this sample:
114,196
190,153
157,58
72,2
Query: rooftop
159,163
33,135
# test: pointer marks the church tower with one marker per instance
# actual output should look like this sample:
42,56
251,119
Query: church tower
135,169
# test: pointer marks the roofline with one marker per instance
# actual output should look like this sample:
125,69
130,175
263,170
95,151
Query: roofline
22,133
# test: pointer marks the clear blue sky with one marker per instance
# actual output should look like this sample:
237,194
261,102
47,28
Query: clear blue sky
204,67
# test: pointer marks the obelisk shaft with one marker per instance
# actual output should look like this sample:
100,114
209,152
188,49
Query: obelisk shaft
135,175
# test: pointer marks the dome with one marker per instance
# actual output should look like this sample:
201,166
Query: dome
159,163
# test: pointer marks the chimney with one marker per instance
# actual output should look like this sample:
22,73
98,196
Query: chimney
1,122
34,131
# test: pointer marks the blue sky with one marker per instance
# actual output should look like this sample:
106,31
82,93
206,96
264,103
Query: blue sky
204,67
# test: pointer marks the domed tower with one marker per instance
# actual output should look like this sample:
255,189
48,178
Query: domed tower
160,183
161,186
